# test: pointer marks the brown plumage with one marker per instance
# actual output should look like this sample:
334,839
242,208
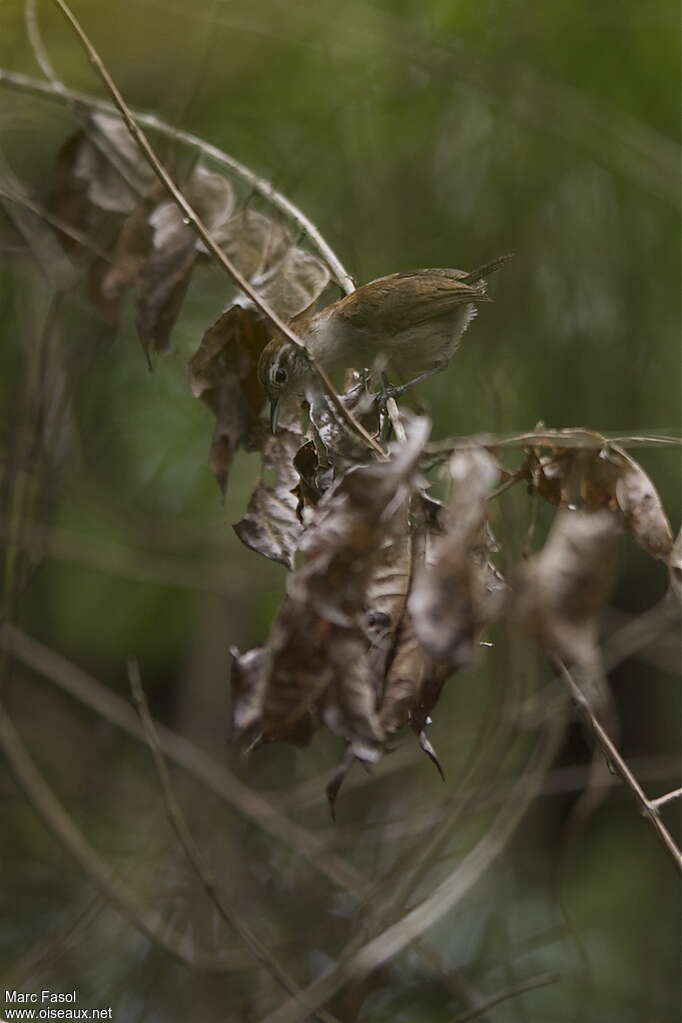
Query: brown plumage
414,320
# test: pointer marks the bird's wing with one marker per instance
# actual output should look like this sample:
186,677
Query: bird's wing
406,300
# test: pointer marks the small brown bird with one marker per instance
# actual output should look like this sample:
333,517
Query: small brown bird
414,320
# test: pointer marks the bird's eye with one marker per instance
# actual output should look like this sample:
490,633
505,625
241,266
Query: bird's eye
280,376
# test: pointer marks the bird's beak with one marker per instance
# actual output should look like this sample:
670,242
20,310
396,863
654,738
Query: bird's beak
274,414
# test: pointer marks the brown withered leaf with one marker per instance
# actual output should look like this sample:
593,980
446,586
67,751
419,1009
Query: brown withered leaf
410,666
168,269
99,178
109,280
309,488
642,509
271,525
223,373
253,242
319,649
295,283
351,521
603,478
454,598
387,592
113,160
248,677
561,589
341,444
414,679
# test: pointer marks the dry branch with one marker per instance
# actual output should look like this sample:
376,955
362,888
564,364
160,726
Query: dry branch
181,751
258,950
63,827
649,808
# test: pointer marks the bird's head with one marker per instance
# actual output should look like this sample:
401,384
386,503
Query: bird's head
282,371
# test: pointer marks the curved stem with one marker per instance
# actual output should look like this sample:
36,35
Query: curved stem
34,87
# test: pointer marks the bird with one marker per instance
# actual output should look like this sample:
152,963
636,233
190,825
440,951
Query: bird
413,321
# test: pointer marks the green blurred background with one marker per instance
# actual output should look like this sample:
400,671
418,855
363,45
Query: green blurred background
438,133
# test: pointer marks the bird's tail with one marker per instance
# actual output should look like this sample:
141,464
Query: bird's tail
487,269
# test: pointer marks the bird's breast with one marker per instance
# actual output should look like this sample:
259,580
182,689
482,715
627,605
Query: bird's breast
409,352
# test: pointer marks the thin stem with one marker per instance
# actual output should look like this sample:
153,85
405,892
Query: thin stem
179,824
570,437
609,750
60,225
542,980
667,798
248,803
35,38
63,827
446,895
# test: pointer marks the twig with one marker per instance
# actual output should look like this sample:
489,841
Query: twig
445,896
179,823
62,826
60,225
36,40
667,798
607,747
181,751
542,980
201,230
571,438
34,87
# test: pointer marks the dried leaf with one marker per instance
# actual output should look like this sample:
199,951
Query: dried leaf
223,374
297,281
110,280
641,506
318,643
313,479
603,478
121,161
341,444
414,678
342,545
167,273
253,242
248,677
271,525
387,592
562,588
453,599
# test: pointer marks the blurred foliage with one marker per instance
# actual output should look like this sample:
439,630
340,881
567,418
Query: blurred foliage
430,134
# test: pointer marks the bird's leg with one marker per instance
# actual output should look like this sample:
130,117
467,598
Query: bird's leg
394,392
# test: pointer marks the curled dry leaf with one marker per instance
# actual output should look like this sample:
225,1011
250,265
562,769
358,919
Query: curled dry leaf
319,664
294,284
271,525
413,679
455,597
248,676
341,445
642,509
109,280
223,374
255,243
562,588
99,170
168,269
603,478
